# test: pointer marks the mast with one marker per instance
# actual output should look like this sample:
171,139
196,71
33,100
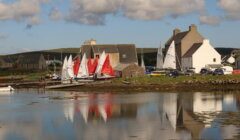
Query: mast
142,59
159,64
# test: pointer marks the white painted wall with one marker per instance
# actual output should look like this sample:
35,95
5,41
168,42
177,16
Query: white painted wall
203,56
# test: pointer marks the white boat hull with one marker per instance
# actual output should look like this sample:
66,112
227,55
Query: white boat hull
6,89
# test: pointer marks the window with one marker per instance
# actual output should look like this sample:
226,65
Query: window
214,59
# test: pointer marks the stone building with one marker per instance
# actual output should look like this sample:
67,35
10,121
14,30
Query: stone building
118,53
184,41
128,70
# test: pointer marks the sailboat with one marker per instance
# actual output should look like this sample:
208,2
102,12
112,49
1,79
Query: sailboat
104,69
83,69
100,63
159,64
70,67
107,68
92,65
64,76
170,58
142,61
76,65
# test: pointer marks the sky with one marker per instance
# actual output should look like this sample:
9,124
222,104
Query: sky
30,25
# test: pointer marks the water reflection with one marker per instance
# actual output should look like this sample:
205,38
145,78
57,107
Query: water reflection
119,116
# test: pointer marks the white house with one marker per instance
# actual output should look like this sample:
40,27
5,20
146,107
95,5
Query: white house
200,55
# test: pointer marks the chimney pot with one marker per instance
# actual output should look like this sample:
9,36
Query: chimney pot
176,31
193,27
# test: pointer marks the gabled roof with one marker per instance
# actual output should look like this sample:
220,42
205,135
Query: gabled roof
106,48
192,50
177,38
127,52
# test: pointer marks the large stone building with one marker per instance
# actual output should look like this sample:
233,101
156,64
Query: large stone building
118,53
123,57
184,41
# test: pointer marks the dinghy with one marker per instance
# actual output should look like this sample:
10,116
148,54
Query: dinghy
83,69
106,71
6,89
170,58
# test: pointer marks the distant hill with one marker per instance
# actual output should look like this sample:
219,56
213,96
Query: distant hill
63,50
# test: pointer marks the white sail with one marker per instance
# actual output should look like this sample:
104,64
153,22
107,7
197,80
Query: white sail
101,62
170,58
102,111
84,111
159,58
70,67
170,108
64,70
83,69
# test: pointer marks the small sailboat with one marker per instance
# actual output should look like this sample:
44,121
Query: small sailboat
76,65
83,69
92,65
142,61
159,64
6,89
70,68
100,63
107,68
64,76
170,58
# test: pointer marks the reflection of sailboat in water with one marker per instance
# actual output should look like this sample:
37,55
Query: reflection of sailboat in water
69,111
102,111
170,109
84,108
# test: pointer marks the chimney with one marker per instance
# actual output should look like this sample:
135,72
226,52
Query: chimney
176,31
193,27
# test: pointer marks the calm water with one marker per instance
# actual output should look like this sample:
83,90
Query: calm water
35,115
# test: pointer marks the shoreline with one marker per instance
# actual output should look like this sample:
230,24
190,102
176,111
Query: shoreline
143,84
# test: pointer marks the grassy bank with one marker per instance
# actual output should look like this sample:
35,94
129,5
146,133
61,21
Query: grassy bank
147,80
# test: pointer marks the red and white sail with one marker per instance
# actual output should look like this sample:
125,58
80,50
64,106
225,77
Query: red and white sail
107,68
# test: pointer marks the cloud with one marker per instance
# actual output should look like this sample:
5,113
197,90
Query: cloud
210,20
231,7
55,14
94,12
21,10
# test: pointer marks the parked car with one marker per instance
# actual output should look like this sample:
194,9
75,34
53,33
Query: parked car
205,71
189,72
218,71
173,73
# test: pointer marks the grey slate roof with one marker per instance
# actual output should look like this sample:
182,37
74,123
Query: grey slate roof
127,52
192,50
177,38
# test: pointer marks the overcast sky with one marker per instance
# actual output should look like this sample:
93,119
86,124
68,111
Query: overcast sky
27,25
